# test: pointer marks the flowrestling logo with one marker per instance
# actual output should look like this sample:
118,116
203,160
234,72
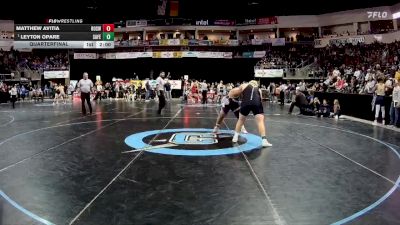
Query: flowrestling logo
191,142
61,21
377,15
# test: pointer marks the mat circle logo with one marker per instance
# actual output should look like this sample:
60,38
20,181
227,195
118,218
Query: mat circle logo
192,142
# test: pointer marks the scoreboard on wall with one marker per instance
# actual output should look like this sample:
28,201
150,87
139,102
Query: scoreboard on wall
64,36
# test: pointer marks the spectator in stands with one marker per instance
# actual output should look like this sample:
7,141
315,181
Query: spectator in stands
353,85
370,85
336,72
397,75
339,84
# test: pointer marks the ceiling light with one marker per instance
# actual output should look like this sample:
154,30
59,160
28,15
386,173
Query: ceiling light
252,3
396,15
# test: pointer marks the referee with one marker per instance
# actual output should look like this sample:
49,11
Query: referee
85,85
160,91
204,90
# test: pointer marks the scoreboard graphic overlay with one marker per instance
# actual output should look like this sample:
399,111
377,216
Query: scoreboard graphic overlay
67,36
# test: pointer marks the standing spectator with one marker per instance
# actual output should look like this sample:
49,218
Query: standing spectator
71,90
13,93
168,90
379,100
46,90
397,75
221,91
271,91
22,92
395,105
85,85
183,88
282,88
148,90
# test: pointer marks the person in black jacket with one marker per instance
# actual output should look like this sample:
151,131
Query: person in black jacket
300,101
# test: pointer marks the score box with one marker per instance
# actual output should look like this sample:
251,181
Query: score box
108,27
108,36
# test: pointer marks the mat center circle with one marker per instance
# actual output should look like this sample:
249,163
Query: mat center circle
192,142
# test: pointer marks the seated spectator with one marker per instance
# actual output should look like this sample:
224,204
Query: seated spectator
37,94
324,109
315,104
336,109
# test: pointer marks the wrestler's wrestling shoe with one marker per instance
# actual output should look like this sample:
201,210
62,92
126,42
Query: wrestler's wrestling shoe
216,130
235,137
243,130
265,143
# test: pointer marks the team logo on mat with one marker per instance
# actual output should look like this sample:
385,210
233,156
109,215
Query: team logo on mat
191,142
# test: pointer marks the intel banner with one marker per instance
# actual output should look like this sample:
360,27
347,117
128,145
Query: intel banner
246,22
